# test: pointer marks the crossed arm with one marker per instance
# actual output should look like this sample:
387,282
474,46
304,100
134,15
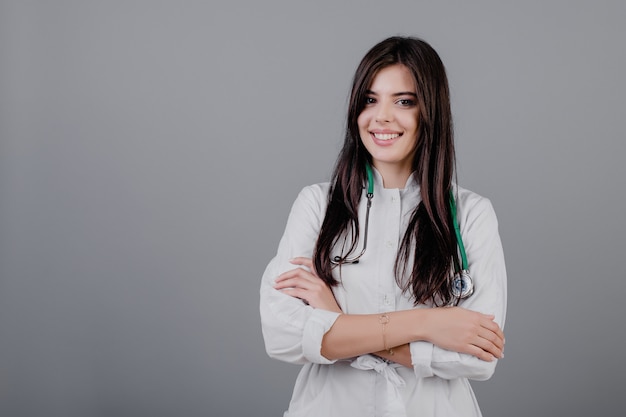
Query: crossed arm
452,328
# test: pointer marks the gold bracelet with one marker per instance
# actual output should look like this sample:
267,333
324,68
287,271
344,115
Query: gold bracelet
384,319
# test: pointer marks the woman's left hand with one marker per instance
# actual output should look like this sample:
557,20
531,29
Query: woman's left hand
307,286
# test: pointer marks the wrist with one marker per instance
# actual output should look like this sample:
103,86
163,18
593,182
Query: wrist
422,324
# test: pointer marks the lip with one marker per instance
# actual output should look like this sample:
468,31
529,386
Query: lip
384,142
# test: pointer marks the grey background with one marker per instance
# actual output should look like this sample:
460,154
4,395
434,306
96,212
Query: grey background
150,152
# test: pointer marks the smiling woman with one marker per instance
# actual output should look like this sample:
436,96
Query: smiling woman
362,288
388,124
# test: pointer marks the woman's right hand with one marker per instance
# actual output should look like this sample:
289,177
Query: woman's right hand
465,331
306,285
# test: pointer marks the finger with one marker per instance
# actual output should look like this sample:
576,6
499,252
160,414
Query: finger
293,282
481,354
296,272
301,260
495,334
490,343
289,274
477,351
490,349
295,292
493,326
305,281
499,337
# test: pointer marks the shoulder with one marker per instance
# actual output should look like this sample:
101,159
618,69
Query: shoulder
473,206
467,198
314,196
315,192
311,202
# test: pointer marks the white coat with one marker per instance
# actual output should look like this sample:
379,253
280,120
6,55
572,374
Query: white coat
369,386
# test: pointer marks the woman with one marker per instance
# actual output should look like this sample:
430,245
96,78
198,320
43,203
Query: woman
362,290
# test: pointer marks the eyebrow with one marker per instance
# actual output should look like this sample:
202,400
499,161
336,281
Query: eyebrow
401,93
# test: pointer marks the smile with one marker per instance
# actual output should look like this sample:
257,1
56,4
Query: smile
385,136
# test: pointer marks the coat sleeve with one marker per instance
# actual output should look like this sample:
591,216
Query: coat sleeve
292,330
479,230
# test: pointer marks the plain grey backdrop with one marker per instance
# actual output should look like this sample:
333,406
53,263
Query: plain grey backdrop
150,152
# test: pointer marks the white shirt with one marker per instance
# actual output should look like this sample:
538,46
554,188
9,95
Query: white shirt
369,386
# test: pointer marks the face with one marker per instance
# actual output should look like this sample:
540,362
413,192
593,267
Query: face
388,124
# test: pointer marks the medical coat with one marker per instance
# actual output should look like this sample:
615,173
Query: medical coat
437,385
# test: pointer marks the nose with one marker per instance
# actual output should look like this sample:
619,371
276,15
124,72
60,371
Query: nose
384,113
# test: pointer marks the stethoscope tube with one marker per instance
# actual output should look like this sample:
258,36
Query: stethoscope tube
462,282
338,260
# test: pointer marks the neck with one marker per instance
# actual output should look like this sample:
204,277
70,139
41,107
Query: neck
394,176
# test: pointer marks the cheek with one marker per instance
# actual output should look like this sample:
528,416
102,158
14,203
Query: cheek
363,120
410,122
416,121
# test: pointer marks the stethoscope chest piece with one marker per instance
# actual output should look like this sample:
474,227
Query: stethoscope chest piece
462,284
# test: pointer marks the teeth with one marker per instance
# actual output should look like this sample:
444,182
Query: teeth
386,136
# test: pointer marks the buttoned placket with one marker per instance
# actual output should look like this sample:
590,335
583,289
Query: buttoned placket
388,223
390,232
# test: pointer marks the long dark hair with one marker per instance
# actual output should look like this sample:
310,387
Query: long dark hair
429,241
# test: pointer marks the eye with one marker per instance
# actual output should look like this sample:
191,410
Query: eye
369,100
406,102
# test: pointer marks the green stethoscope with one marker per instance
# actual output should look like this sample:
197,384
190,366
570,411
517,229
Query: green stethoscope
462,283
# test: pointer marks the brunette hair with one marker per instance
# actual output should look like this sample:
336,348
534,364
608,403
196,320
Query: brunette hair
429,241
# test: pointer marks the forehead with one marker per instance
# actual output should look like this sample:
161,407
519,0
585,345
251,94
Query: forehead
393,79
